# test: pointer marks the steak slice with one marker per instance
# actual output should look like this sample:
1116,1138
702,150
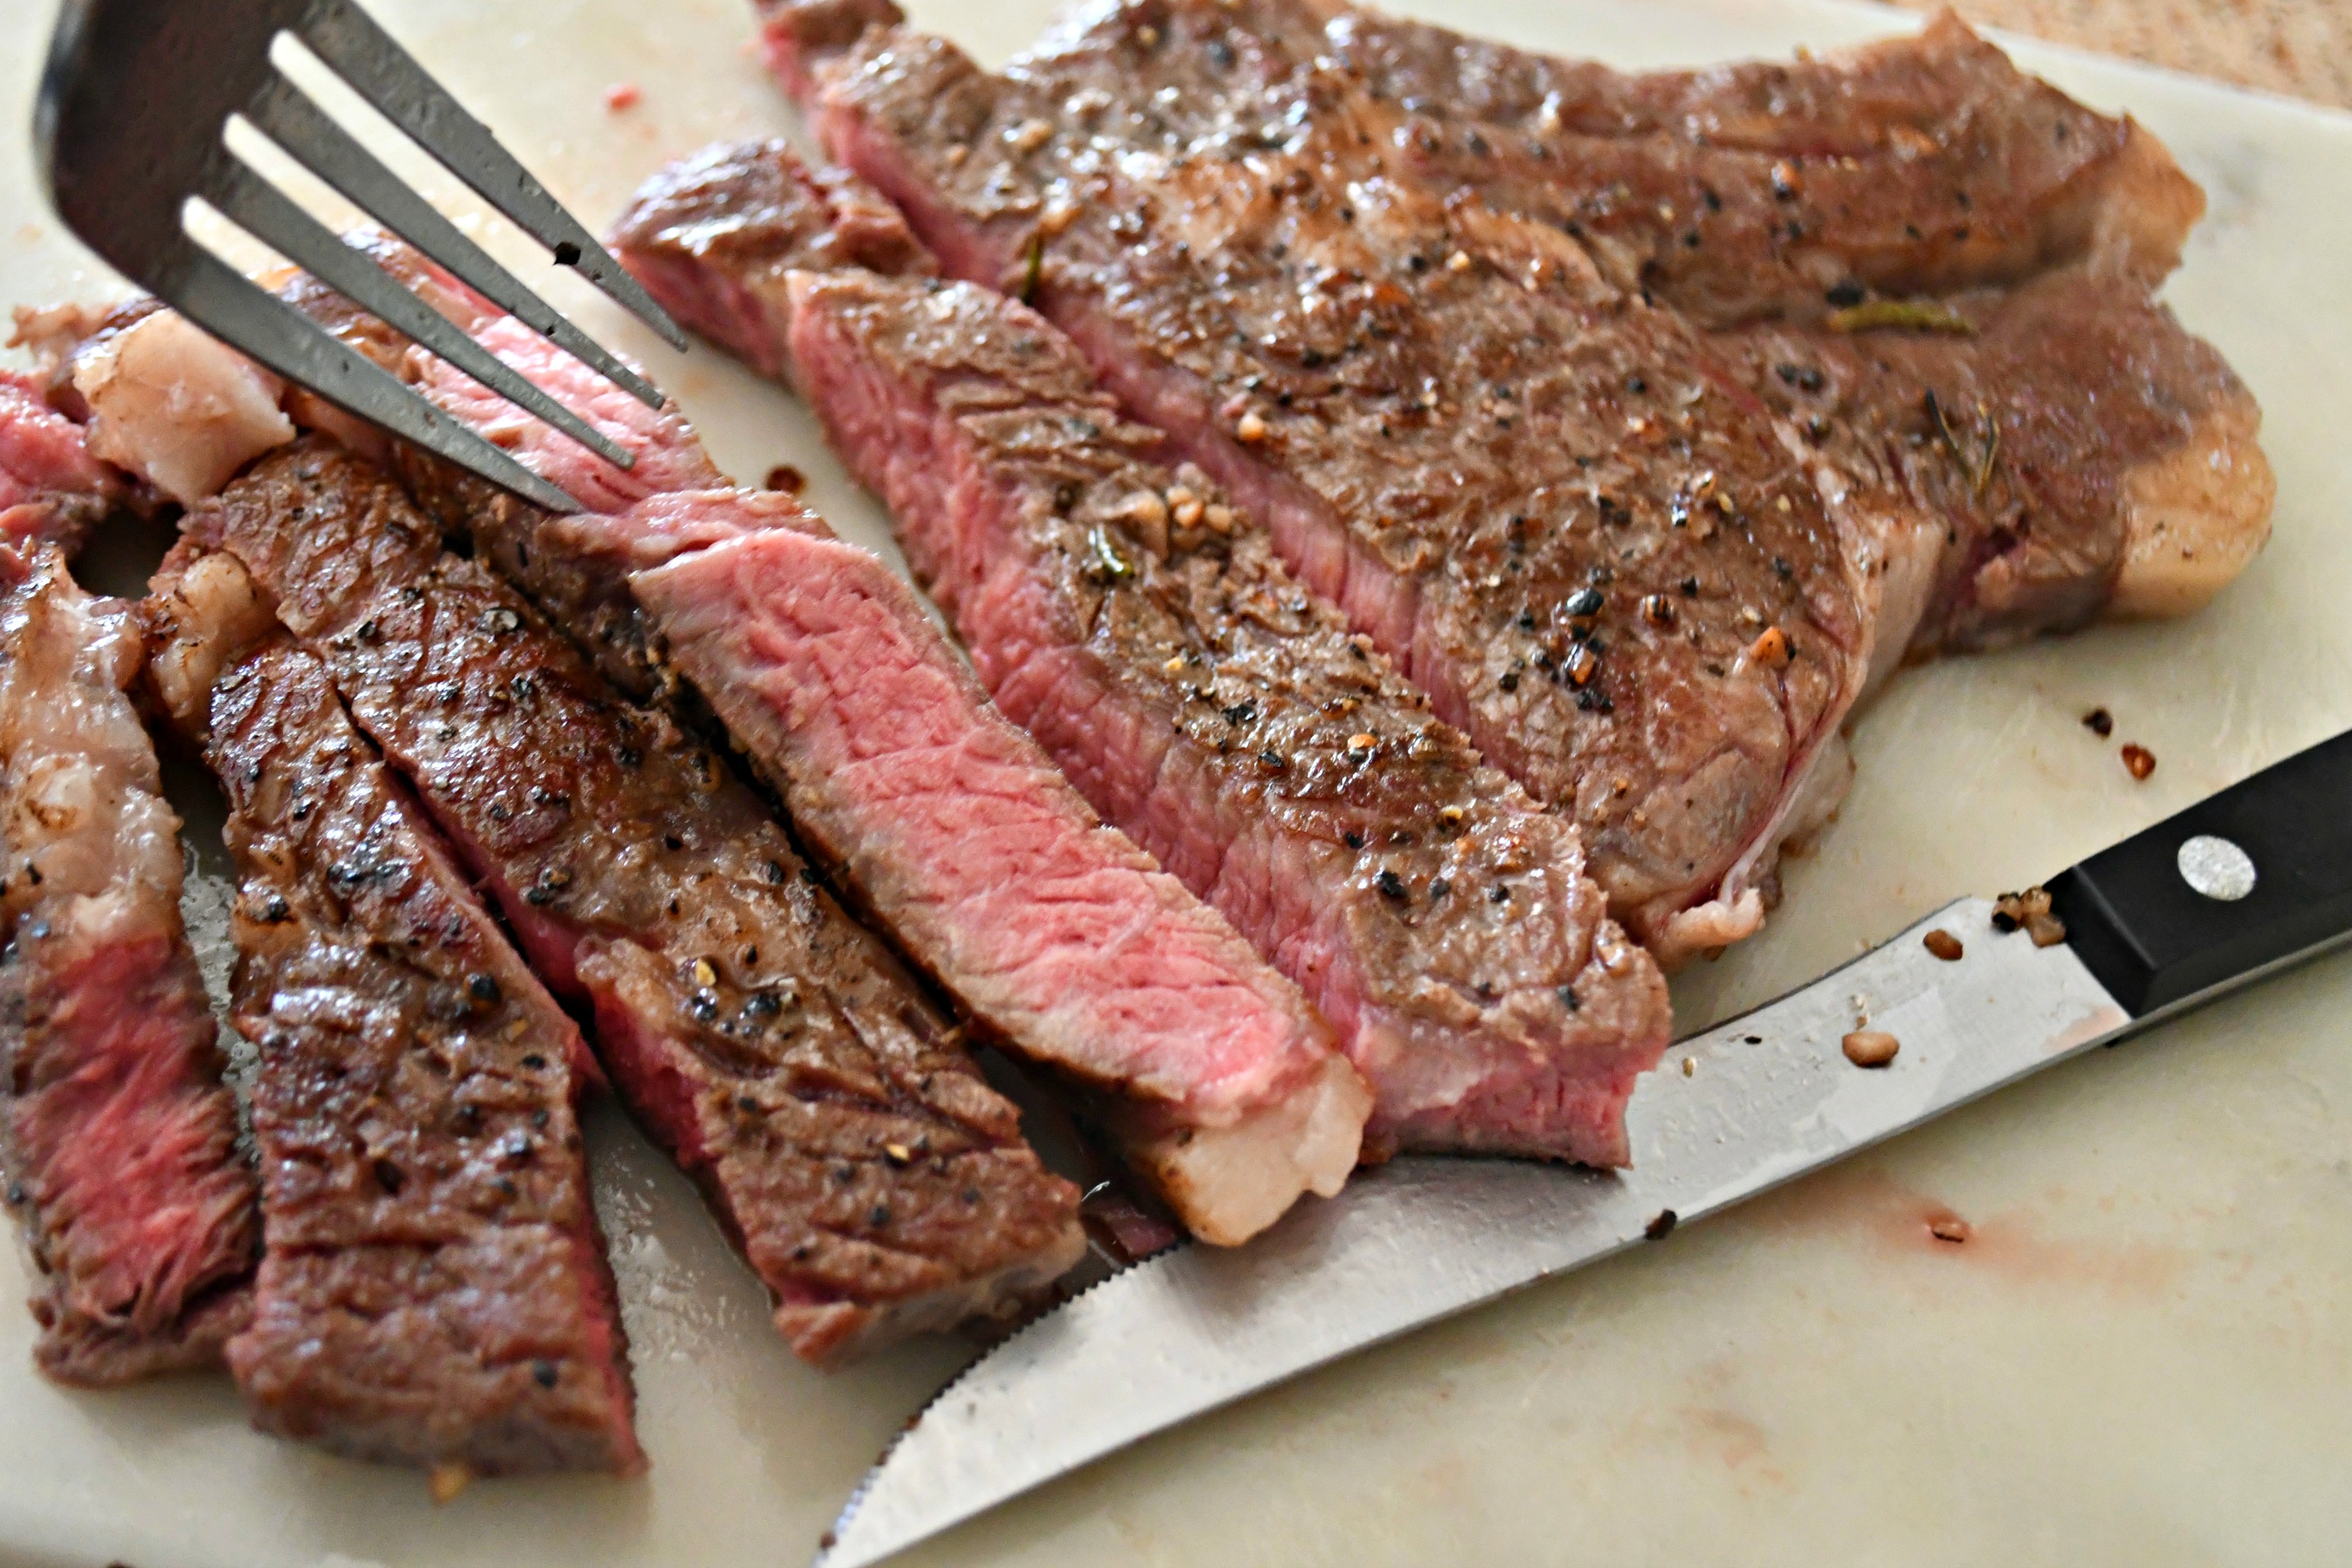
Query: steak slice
874,1181
433,1290
117,1134
1490,464
1456,420
714,234
2076,454
1185,684
1052,928
1922,164
51,489
1144,631
1777,204
1064,943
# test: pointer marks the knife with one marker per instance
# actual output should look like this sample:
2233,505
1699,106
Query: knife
2226,893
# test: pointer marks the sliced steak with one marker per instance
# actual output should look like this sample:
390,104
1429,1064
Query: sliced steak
117,1134
1185,683
1052,928
2075,454
1789,206
51,489
559,560
434,1290
714,236
1143,630
1463,454
1064,942
875,1182
1457,418
1919,164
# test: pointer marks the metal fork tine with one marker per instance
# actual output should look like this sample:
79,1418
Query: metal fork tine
388,76
263,211
215,296
279,111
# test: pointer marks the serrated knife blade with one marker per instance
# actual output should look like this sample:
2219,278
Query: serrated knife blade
1770,1096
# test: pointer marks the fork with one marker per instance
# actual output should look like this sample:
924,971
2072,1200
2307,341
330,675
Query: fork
135,104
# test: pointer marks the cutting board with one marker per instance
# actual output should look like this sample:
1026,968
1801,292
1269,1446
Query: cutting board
2144,1356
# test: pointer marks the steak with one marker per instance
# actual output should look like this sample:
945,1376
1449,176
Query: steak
1142,628
433,1290
1922,164
1464,409
1777,204
875,1182
714,234
116,1132
1051,926
1063,941
51,489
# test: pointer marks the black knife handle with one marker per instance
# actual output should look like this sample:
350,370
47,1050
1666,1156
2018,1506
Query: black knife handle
2169,915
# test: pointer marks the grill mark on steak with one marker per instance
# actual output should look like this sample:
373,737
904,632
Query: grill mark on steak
1390,369
1145,634
117,1135
772,1046
433,1290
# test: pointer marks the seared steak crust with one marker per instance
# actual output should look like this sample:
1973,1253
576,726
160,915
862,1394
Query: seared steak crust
875,1183
714,235
1059,935
555,561
2048,431
1461,403
1454,427
434,1292
117,1135
1921,164
1056,933
1144,631
2042,460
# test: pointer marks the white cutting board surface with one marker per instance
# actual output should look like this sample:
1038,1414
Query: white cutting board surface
2144,1357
